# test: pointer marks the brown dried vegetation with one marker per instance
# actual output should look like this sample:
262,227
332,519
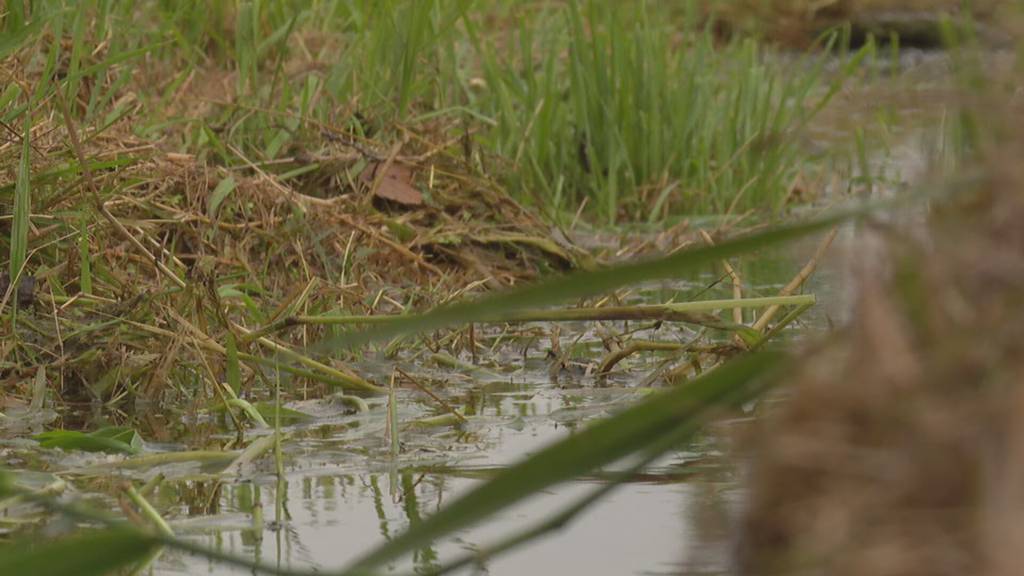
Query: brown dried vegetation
177,264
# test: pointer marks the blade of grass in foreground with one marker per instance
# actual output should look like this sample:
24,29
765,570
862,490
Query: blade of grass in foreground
93,553
22,206
633,431
580,284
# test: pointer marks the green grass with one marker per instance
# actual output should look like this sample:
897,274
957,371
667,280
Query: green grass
600,104
619,111
626,106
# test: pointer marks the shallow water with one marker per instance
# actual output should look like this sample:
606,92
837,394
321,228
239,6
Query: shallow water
343,493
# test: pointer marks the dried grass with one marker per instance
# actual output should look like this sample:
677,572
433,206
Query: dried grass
321,235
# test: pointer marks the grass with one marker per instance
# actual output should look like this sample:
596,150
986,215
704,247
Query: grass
210,158
189,178
168,191
616,113
635,113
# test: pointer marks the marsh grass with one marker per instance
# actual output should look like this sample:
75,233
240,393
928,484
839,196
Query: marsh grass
631,108
187,177
640,120
210,155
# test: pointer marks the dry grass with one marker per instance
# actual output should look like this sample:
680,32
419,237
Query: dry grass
143,270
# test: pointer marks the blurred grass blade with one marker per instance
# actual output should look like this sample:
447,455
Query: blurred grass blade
633,431
90,554
84,257
22,206
232,368
581,284
10,41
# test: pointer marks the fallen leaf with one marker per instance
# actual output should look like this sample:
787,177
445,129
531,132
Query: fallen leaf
395,184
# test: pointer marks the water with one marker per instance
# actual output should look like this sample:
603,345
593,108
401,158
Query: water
343,492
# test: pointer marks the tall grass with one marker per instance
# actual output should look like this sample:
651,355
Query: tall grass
640,116
630,108
599,102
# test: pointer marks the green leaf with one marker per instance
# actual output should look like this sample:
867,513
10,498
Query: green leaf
223,189
670,415
263,412
287,415
249,410
89,554
10,94
118,439
230,291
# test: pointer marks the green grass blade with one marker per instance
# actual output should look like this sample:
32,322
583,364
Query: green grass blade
10,41
90,554
22,205
115,439
84,257
224,188
114,60
581,284
606,442
233,368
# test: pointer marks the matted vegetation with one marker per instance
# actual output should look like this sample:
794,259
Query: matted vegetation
184,175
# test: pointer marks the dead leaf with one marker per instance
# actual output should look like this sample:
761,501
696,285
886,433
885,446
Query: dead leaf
394,184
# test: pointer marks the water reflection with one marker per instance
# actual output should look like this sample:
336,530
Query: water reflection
342,493
644,527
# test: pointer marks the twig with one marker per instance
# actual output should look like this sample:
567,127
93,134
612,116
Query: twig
737,285
634,346
440,401
798,280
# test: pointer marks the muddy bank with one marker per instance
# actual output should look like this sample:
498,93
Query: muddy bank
917,23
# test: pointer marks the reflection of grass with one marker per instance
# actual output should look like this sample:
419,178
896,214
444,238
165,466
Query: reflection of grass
657,424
